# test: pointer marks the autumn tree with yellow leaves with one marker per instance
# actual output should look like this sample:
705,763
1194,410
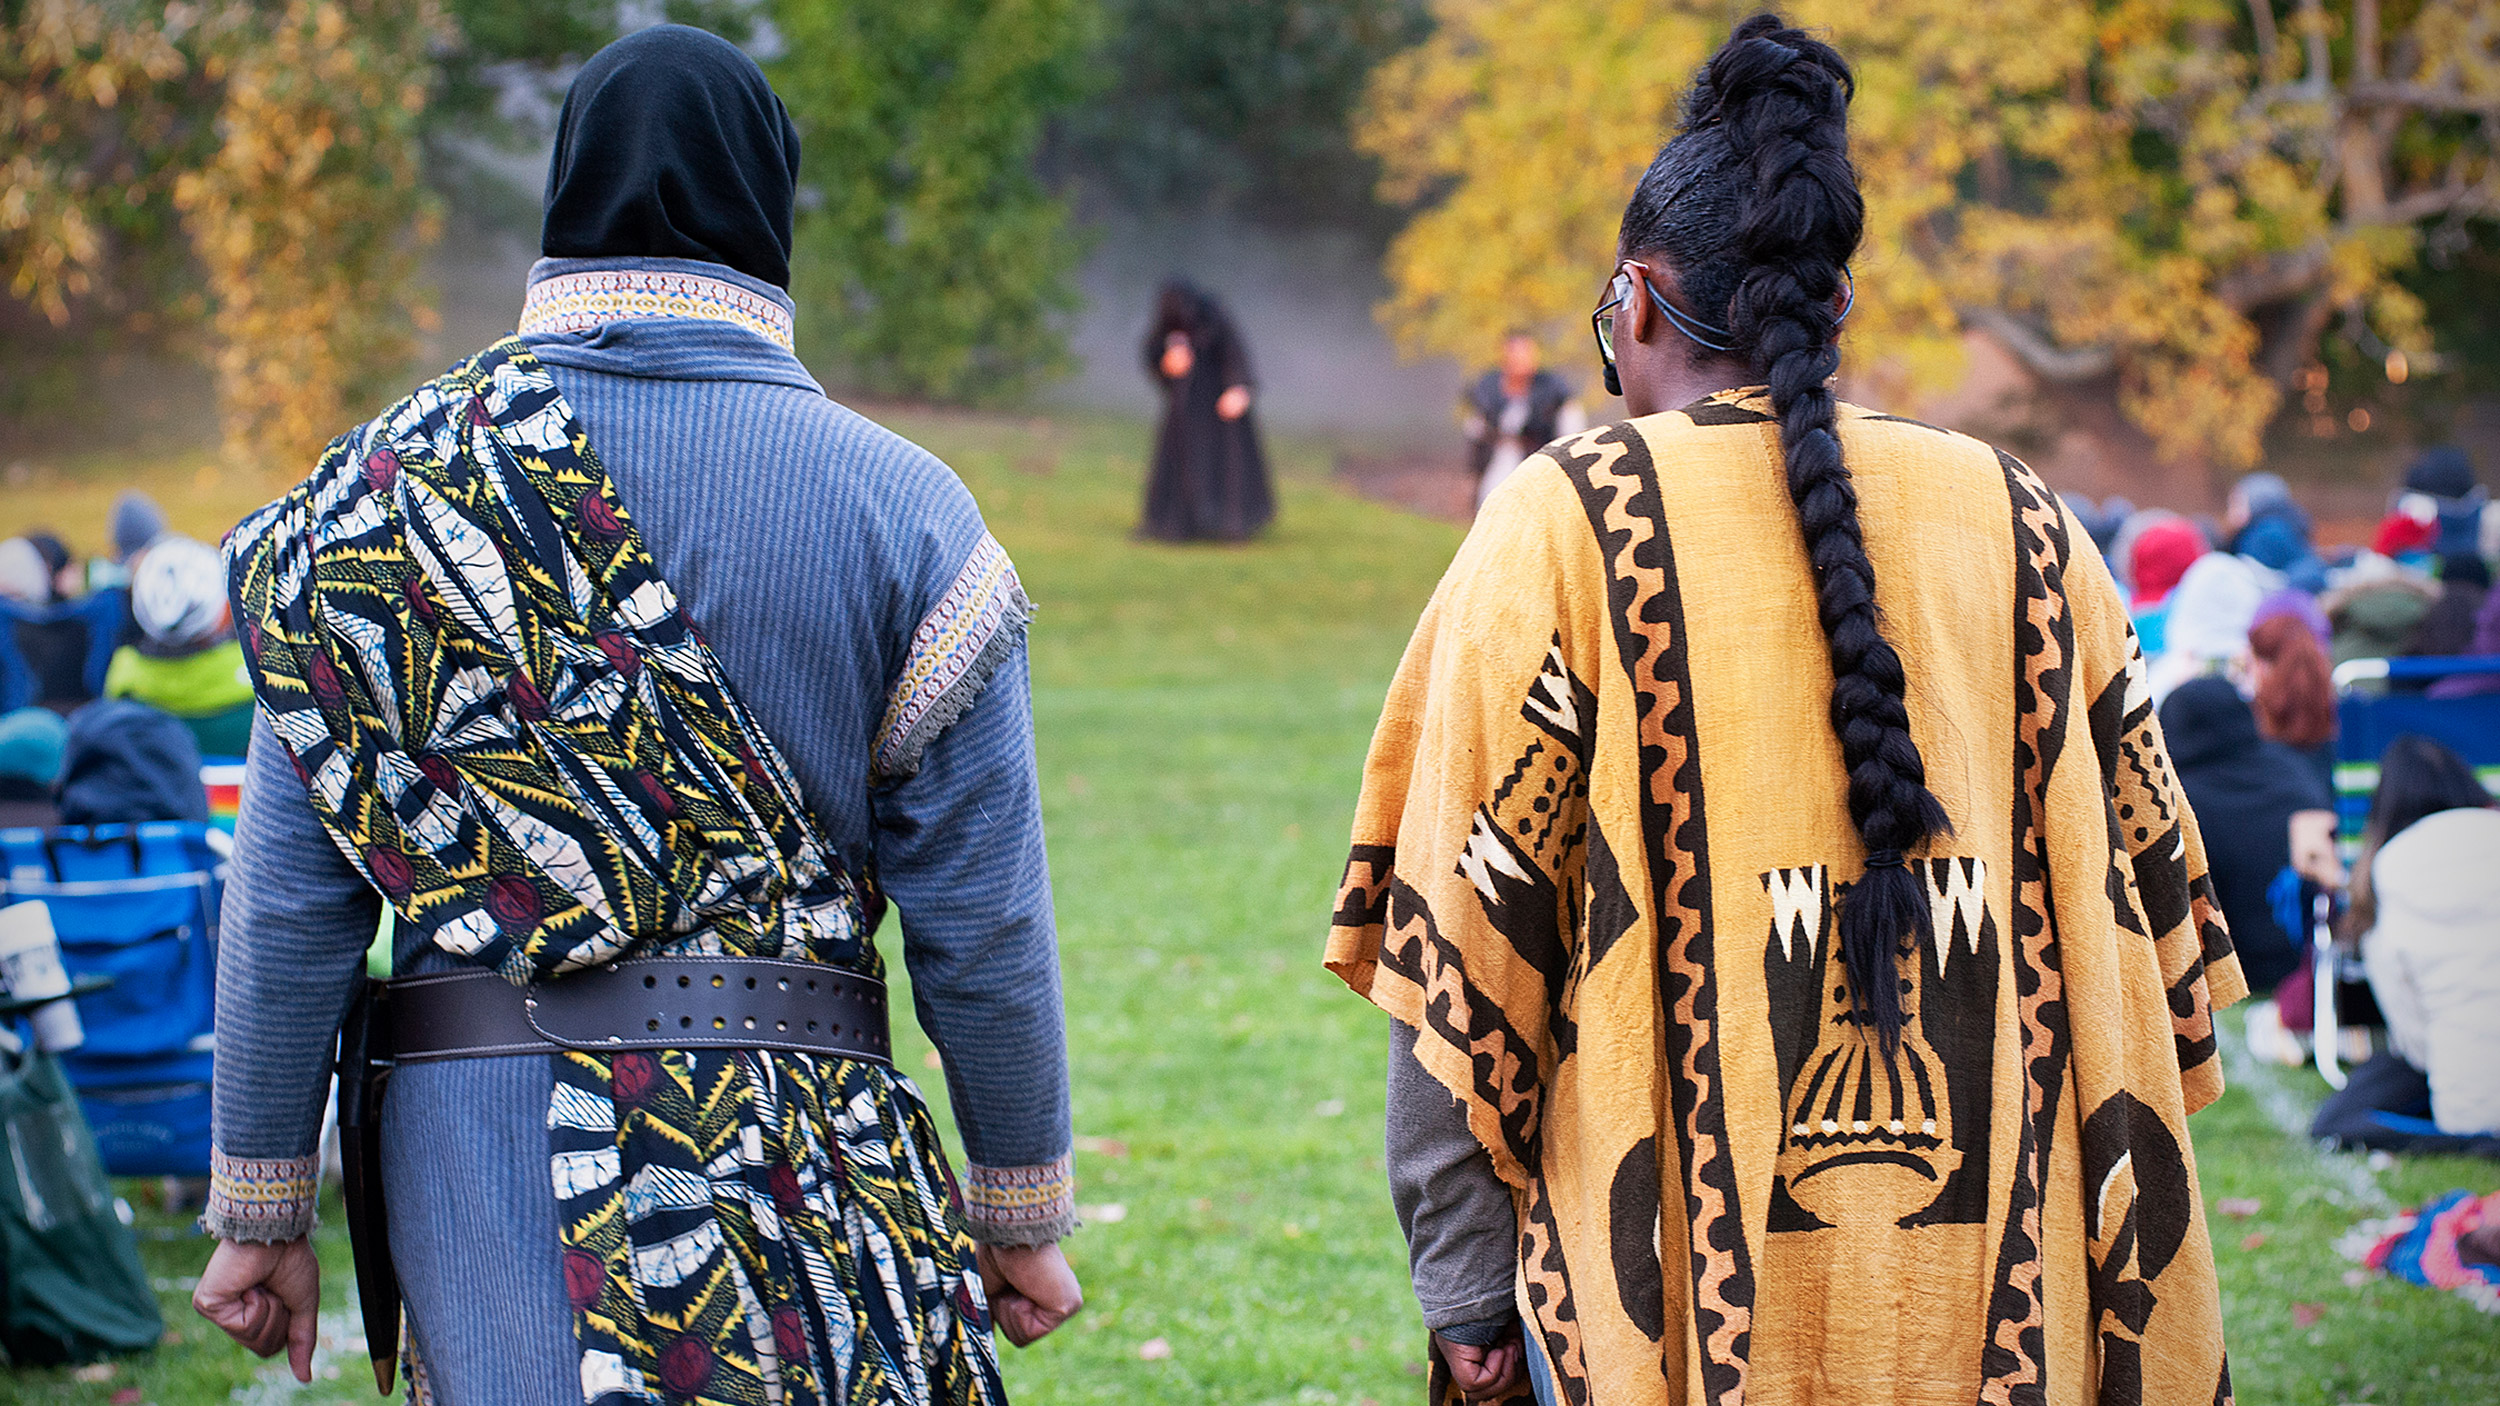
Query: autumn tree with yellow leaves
2178,196
281,137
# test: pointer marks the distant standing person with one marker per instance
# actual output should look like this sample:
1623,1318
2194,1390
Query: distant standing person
1514,410
1209,481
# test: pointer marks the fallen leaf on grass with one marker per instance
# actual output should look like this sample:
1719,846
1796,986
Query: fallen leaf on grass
95,1372
1329,1107
2308,1314
1202,1205
1102,1146
1292,1231
1417,1369
2239,1207
2357,1278
934,1060
1108,1213
2255,1240
1154,1350
1356,1345
128,1396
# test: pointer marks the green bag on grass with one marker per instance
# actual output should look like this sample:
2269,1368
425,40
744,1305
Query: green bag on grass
71,1286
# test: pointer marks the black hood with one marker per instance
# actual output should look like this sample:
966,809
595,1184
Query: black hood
673,146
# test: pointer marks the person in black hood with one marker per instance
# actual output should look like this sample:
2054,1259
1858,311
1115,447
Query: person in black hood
2245,791
1209,478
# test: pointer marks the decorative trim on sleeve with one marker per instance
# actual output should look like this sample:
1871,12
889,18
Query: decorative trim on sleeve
1021,1205
265,1200
963,639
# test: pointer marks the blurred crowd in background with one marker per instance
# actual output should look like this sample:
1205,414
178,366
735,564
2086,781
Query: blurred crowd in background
120,675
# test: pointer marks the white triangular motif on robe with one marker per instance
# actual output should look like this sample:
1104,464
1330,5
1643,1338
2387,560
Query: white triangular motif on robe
1959,901
1550,696
1486,854
1796,909
664,1188
651,603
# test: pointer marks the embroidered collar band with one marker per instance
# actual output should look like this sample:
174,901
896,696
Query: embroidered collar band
578,295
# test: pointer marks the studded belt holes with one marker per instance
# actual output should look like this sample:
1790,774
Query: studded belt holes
750,983
718,981
785,983
781,1025
719,1024
649,982
685,1022
685,981
650,1025
811,1027
811,983
835,1031
750,1022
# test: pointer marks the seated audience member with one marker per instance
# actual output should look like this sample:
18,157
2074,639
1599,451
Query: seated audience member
31,744
2441,490
187,660
2376,613
125,763
2210,613
2265,524
2160,553
2426,900
2291,690
2447,628
53,641
2245,791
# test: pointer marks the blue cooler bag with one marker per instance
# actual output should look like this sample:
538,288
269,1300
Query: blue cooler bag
137,905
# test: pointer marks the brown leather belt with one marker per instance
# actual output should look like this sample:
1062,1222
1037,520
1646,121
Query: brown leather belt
648,1003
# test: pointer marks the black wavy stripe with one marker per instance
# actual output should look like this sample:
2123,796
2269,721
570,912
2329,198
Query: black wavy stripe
2037,577
1487,1032
1696,1118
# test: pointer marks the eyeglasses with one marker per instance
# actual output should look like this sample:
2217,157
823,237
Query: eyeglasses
1700,333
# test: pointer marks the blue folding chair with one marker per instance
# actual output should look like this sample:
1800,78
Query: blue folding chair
2370,716
135,904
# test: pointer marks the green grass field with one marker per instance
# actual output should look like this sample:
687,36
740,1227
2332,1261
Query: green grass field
1202,717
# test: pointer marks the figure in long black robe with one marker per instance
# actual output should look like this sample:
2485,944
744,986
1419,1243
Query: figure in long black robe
1209,479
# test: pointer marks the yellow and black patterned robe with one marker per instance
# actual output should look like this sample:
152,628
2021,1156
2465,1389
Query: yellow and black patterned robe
1595,857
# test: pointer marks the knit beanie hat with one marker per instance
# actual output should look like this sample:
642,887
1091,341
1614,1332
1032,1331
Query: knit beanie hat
137,521
2161,555
32,741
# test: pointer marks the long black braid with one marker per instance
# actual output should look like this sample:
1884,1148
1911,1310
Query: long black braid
1755,205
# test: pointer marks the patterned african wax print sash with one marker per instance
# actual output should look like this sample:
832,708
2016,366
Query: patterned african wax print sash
507,723
1597,857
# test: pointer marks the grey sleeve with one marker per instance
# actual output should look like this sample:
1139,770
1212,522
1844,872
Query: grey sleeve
1462,1234
292,935
959,851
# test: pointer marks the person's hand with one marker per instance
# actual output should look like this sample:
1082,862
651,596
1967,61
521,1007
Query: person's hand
1484,1373
266,1297
2313,849
1031,1289
1233,403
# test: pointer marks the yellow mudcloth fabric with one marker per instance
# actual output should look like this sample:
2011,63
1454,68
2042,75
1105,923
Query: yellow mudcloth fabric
1601,832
